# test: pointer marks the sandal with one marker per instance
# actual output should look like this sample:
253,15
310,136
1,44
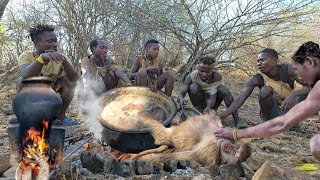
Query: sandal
67,121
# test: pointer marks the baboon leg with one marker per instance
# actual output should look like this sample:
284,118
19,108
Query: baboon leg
160,133
162,158
156,150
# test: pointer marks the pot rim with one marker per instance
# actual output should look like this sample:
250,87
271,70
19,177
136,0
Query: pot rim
143,130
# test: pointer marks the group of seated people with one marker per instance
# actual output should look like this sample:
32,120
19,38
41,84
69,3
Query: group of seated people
204,85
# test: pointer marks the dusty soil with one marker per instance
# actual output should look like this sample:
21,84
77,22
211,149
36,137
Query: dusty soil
285,149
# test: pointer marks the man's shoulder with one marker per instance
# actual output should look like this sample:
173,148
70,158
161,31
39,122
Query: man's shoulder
27,57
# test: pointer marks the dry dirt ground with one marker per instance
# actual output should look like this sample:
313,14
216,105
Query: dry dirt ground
284,150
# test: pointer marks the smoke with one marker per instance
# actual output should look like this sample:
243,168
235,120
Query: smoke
87,92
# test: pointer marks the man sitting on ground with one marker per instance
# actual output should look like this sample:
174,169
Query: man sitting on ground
147,70
276,83
207,90
47,61
98,69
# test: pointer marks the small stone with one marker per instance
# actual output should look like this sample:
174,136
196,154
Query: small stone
170,166
268,171
269,146
231,172
182,164
143,167
288,150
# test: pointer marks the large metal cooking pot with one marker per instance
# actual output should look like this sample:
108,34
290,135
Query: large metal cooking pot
132,140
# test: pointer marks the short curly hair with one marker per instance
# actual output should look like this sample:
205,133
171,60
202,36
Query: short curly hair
307,49
37,29
208,60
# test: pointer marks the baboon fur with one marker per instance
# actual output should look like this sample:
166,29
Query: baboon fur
192,140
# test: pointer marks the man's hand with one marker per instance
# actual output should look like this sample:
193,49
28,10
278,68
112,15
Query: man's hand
181,103
207,110
53,56
224,133
152,69
128,84
288,103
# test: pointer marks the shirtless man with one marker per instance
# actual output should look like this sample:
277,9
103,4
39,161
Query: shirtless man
147,70
99,69
207,90
306,61
276,83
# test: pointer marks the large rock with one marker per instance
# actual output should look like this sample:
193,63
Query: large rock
268,171
231,172
97,159
143,167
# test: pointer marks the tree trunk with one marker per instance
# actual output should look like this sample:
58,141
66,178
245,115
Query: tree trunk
3,4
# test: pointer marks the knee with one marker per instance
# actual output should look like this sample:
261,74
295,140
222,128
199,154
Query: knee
142,72
223,90
169,75
67,85
194,88
315,146
266,92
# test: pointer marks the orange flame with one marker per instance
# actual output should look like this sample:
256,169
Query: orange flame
38,138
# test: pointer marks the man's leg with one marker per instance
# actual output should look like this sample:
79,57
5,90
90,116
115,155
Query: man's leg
315,146
197,97
142,77
66,90
167,80
223,93
268,103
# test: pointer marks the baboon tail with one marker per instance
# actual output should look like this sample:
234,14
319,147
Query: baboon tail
161,134
156,150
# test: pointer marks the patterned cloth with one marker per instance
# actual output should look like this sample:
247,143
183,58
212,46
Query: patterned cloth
96,72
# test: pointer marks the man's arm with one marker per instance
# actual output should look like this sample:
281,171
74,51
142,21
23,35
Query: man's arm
134,68
71,72
184,90
119,72
238,101
309,107
290,100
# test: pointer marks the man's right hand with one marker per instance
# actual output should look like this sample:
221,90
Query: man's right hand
53,56
181,103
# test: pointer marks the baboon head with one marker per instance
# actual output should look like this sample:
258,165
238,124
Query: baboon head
234,152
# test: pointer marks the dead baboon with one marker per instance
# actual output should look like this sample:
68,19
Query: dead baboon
194,140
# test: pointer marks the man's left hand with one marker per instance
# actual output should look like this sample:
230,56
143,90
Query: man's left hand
224,133
288,103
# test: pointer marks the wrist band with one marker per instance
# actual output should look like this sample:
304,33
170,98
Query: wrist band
40,60
234,133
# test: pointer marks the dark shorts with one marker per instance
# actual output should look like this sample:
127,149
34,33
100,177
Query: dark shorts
276,106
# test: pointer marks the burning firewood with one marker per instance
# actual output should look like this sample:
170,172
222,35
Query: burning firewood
27,165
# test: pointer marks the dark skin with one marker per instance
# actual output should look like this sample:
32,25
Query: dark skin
99,56
209,75
46,46
164,79
309,71
268,66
